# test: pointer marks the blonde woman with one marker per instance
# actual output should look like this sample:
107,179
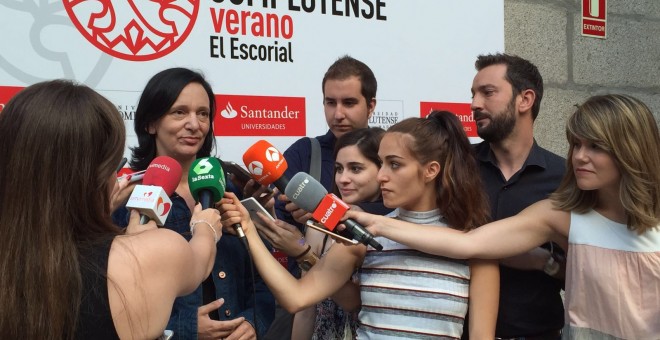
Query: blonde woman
607,209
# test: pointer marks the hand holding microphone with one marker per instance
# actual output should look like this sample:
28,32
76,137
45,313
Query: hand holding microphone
327,209
151,198
207,183
267,166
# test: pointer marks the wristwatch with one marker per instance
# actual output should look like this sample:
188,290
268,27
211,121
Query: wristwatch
307,260
551,266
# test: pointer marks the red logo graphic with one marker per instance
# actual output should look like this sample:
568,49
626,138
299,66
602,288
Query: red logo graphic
256,168
272,154
462,110
165,207
148,194
6,92
259,116
134,30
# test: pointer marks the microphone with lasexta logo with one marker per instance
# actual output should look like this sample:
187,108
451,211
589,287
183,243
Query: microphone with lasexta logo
151,198
266,164
327,209
207,183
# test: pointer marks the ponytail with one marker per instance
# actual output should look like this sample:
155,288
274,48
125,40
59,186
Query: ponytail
440,137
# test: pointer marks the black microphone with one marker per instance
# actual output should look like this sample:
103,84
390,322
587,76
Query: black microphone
327,209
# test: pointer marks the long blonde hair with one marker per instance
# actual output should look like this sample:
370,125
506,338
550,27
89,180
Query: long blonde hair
624,127
61,143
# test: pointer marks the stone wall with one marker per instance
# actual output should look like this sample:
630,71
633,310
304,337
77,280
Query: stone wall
574,67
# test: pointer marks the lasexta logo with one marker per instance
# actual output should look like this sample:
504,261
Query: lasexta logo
134,30
203,167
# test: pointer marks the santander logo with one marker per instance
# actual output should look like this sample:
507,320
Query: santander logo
163,207
134,30
256,168
229,112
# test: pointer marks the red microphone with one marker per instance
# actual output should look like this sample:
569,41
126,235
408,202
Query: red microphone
163,172
266,164
151,198
310,195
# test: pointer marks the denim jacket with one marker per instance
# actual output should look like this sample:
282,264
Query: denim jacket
231,275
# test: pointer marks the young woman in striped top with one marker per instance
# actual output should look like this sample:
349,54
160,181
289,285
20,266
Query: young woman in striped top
430,176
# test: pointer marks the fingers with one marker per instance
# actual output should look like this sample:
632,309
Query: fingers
210,215
121,193
232,324
244,331
208,308
301,216
134,226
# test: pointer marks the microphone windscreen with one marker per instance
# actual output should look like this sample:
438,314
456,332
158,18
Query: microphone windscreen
207,174
305,191
164,172
264,162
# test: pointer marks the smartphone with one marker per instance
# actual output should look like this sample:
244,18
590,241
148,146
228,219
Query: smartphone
253,206
242,175
134,177
337,237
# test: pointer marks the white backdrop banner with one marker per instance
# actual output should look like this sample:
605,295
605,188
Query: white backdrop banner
264,59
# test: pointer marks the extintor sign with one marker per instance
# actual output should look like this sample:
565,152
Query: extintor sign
594,18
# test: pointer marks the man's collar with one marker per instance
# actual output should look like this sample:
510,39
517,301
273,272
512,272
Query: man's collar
485,154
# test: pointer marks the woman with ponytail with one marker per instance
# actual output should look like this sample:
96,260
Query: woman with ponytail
606,213
430,176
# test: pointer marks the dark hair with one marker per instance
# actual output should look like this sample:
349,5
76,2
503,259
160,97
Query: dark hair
158,96
440,137
367,141
520,73
346,67
61,143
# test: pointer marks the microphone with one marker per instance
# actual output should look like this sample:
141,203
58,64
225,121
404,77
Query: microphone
151,198
327,209
266,165
207,183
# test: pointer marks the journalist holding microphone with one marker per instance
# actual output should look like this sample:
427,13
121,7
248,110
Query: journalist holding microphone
404,292
67,272
174,118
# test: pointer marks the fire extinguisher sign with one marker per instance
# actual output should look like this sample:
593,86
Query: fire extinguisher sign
594,18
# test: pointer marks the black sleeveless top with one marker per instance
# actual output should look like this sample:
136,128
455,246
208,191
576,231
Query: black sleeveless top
95,319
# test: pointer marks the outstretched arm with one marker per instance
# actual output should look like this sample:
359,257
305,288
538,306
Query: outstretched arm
537,224
484,298
326,277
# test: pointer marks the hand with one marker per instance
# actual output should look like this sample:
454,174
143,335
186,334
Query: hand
264,195
299,215
121,192
281,235
244,331
370,221
134,226
210,215
212,329
233,212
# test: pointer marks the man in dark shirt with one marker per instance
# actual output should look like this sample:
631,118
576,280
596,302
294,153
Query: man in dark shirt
507,92
349,99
